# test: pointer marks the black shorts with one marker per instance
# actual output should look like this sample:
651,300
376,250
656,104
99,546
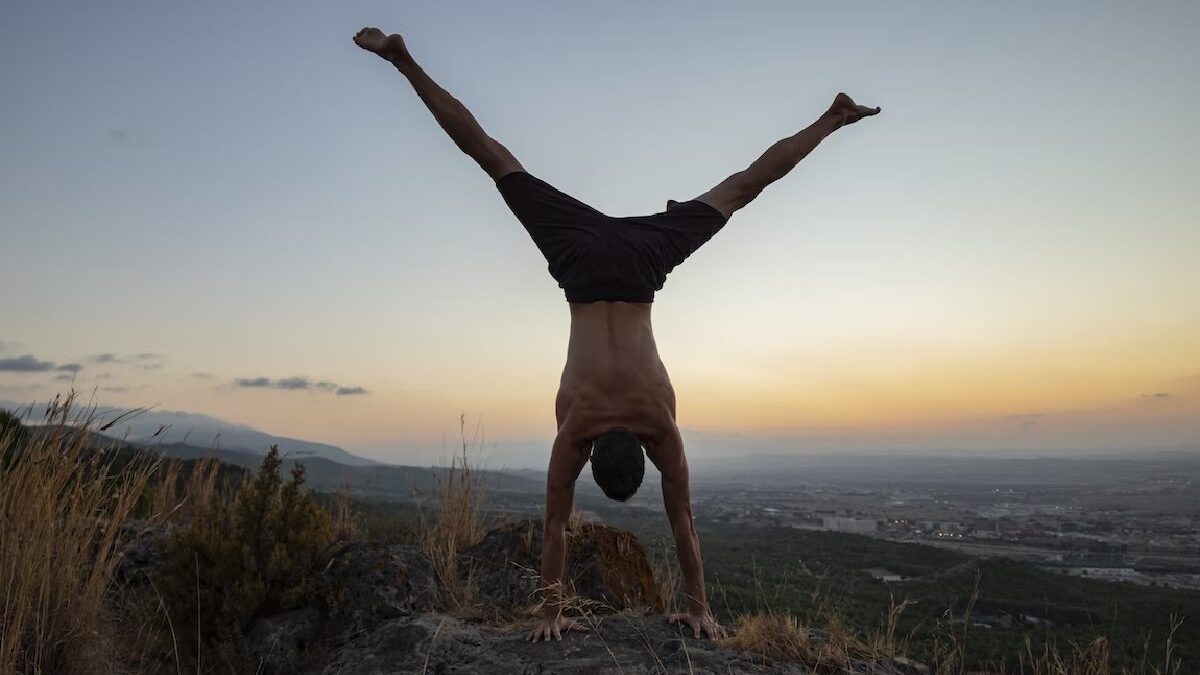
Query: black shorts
595,257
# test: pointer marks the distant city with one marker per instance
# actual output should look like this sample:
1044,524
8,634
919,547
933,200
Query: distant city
1127,520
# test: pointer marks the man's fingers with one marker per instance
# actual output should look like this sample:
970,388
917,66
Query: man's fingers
557,634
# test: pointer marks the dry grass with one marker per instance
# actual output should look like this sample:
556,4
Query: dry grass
884,643
1093,658
781,636
174,498
778,636
60,516
455,524
345,522
949,654
668,579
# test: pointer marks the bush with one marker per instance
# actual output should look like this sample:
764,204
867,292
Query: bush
243,558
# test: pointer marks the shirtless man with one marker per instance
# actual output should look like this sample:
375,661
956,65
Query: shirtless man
615,397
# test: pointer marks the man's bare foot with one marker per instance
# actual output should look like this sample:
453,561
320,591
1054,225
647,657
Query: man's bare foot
845,111
390,47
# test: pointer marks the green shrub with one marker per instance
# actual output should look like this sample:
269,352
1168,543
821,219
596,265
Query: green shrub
243,558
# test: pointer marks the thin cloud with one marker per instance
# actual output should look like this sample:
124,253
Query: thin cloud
297,383
293,383
25,364
116,390
203,376
64,377
69,367
252,382
143,360
1158,394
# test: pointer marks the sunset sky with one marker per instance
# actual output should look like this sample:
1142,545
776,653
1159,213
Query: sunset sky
198,196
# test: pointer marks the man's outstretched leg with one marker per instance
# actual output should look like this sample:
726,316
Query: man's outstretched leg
742,187
453,116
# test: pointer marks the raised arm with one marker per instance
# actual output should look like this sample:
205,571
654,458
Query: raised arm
669,457
742,187
452,115
566,461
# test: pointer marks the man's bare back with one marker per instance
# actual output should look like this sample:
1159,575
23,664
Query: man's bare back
613,375
615,397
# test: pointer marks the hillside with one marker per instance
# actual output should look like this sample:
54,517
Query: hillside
384,482
168,427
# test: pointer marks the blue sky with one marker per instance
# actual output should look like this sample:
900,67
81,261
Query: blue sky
238,188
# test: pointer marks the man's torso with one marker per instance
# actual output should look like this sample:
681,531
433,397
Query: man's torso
614,376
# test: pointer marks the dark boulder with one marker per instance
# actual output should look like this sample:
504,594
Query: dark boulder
142,545
606,566
367,583
278,643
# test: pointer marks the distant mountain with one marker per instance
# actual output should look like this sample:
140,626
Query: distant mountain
166,427
383,482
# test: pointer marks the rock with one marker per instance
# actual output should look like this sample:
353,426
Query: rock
144,543
367,583
907,666
277,643
607,566
617,643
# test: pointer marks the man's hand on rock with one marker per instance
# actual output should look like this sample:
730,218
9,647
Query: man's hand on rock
701,622
554,628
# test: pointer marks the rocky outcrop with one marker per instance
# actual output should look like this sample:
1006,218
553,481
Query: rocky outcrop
607,567
366,584
614,644
619,643
372,612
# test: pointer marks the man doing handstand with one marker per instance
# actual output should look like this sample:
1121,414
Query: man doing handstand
614,398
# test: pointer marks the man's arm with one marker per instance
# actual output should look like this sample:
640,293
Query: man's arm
672,464
742,187
566,461
452,115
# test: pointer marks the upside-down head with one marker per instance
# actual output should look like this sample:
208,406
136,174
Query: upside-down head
617,463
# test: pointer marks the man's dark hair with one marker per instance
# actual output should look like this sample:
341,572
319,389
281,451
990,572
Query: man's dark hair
617,463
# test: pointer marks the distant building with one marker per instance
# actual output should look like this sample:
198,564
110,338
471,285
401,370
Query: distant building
855,525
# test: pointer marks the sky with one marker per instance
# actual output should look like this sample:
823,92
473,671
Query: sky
228,208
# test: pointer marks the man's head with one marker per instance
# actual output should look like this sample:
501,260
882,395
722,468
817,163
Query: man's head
617,463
